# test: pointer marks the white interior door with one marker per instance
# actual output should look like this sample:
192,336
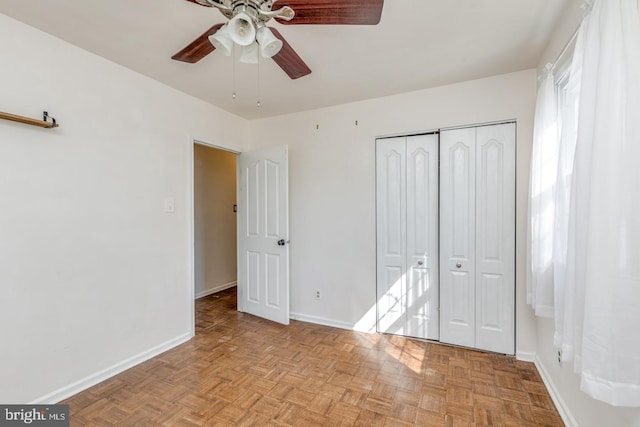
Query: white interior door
407,235
495,230
263,230
457,236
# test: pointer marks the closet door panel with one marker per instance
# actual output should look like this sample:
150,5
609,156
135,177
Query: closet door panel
495,230
422,237
457,236
391,234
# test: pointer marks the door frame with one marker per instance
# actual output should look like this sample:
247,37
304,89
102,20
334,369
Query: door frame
190,210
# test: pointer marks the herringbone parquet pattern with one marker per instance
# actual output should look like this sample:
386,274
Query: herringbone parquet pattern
240,370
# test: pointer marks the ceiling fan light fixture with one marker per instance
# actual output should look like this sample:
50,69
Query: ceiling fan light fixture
241,29
250,54
222,41
270,45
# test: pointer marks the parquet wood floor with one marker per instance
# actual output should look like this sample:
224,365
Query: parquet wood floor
240,370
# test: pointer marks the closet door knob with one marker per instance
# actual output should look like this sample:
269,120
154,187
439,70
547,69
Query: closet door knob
420,262
458,265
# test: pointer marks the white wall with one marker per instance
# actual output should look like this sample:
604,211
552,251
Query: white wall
579,409
215,222
92,272
332,188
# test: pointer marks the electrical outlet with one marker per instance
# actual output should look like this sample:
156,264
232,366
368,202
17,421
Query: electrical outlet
317,295
559,357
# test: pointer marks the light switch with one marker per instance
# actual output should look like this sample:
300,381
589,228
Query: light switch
169,205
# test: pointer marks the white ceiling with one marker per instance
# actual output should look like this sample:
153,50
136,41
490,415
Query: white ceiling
418,44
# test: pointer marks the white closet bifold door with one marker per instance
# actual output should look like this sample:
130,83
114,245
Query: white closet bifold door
407,235
457,236
477,235
495,244
391,234
422,237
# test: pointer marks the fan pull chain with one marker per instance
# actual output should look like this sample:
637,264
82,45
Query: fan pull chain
233,60
259,103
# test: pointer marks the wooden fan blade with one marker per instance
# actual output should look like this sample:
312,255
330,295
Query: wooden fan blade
194,1
289,60
348,12
199,48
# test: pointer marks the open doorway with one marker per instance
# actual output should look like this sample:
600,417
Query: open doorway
214,219
261,230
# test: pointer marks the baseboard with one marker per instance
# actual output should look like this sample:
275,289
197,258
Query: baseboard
93,379
562,407
216,289
321,321
526,356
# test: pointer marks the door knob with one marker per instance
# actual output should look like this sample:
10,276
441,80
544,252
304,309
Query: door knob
281,242
420,262
458,265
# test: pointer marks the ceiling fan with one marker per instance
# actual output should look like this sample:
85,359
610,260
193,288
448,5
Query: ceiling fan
247,28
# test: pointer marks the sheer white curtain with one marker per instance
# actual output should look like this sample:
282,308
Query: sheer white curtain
601,305
544,161
569,108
